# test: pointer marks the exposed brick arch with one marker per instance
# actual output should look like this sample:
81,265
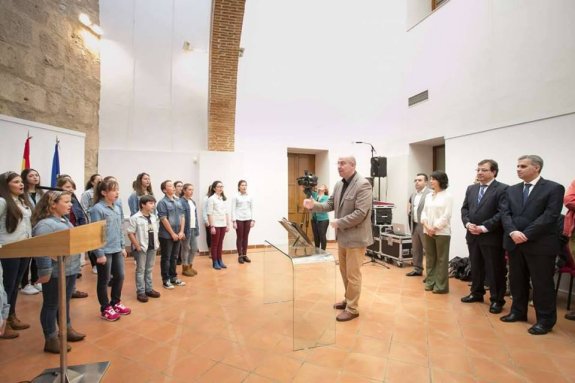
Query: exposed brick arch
226,31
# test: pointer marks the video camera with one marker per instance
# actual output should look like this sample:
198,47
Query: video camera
308,181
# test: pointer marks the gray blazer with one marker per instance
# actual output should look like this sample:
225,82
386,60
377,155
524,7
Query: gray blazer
419,207
353,212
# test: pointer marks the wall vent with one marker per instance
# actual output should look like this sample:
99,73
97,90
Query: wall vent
418,98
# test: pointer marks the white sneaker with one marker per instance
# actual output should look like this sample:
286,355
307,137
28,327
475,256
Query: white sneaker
94,270
178,282
29,290
38,286
168,285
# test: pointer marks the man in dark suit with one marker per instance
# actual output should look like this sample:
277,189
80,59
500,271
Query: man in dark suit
481,216
530,215
415,207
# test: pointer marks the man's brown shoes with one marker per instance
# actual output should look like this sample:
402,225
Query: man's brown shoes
340,305
345,316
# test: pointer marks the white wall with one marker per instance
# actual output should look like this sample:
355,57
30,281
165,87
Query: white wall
14,132
154,94
485,67
319,75
311,77
417,10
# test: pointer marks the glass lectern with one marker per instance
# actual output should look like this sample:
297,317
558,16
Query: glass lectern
303,277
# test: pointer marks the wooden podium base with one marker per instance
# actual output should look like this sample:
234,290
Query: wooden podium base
86,373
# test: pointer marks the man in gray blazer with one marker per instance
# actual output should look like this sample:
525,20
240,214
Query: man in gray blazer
352,202
415,207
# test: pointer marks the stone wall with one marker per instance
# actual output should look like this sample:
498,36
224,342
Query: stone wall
50,66
227,21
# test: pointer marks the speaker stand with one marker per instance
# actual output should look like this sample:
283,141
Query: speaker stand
375,261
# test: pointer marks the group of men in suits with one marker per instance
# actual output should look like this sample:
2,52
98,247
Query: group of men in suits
521,219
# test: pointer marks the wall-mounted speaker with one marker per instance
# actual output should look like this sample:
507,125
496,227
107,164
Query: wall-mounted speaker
379,166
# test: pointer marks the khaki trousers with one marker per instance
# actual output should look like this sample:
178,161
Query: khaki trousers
350,261
437,262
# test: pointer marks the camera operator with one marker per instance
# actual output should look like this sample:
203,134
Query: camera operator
320,221
351,200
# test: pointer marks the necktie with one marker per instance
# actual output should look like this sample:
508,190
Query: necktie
481,193
526,192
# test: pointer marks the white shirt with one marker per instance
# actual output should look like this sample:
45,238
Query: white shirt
415,204
242,208
192,214
24,227
218,210
532,183
437,212
139,225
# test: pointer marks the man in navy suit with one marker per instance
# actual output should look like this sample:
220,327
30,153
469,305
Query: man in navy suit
530,215
481,216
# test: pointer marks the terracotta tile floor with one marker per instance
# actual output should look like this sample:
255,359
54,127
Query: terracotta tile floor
216,329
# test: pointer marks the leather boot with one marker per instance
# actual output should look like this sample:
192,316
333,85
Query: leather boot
186,271
52,345
194,271
16,323
9,333
74,336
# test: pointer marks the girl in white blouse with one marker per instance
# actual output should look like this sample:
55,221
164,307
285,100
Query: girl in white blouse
243,219
15,225
219,221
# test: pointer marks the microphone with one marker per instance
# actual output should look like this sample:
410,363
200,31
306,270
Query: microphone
48,188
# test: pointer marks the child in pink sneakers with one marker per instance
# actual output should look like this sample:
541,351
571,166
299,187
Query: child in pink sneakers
110,258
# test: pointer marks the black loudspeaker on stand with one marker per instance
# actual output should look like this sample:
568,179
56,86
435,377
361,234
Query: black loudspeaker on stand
379,166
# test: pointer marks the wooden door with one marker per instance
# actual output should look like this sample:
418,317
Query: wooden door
297,165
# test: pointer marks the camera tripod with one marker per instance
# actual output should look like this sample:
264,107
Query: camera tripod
305,220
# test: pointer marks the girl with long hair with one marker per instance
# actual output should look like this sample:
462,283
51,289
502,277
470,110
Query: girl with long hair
87,201
110,258
243,219
31,179
77,217
87,198
219,221
15,225
50,216
191,231
142,186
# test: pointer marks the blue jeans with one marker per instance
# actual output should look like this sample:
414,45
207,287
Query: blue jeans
114,266
145,261
13,272
49,312
189,249
169,251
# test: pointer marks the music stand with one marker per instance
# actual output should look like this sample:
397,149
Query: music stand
301,238
60,245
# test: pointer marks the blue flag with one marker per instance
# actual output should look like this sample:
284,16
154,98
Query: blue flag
55,165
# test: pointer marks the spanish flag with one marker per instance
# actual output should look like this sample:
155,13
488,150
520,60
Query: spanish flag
26,155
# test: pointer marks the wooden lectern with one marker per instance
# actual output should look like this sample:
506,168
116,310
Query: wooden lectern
60,245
